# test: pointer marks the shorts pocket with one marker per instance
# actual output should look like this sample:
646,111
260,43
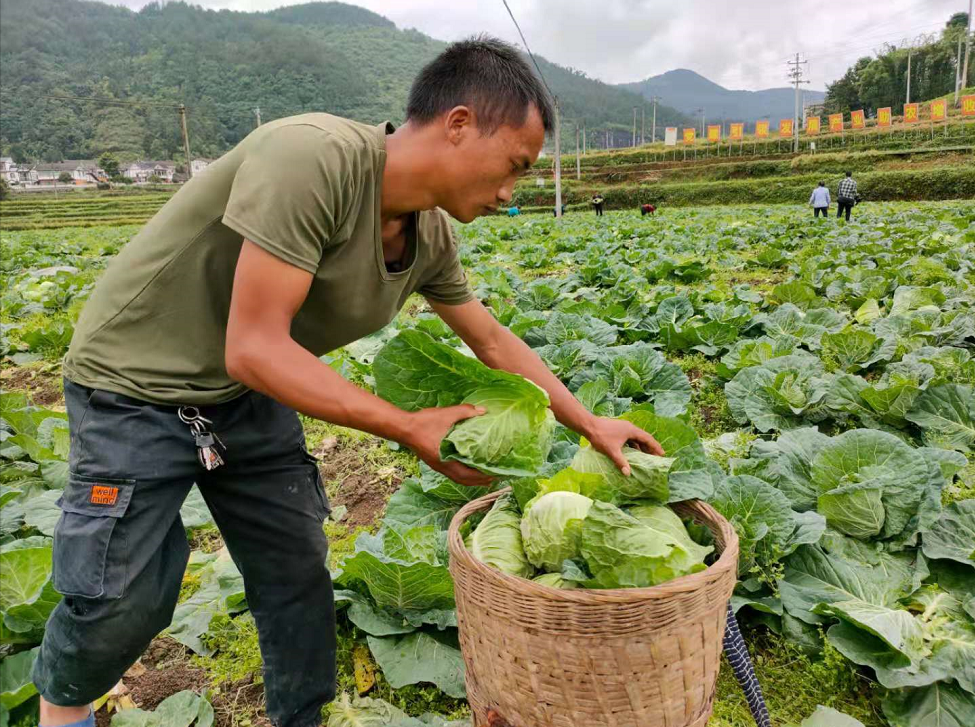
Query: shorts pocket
89,548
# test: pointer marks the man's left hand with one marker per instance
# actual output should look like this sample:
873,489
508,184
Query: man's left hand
610,435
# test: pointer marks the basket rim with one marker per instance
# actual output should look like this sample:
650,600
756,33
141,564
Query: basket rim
727,562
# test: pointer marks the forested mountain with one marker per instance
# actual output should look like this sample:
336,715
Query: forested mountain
329,57
689,92
873,83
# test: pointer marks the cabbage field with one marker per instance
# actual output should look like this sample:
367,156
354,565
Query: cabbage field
814,380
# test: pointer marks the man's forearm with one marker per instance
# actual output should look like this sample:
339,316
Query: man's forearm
285,371
512,354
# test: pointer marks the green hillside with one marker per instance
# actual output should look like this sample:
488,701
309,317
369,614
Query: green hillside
329,57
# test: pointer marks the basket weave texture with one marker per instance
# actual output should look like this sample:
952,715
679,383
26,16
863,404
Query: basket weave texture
548,657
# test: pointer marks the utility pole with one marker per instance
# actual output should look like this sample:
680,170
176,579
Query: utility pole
578,168
643,124
795,73
909,51
558,162
968,45
653,127
958,72
634,126
186,141
257,115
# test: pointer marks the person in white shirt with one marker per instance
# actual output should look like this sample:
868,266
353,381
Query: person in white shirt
819,199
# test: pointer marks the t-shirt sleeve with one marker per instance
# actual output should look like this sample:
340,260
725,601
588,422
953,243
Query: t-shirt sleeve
287,195
448,282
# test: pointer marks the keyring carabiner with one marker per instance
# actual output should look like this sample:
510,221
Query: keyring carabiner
191,415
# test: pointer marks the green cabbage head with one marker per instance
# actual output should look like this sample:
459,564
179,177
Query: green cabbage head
497,540
551,528
554,580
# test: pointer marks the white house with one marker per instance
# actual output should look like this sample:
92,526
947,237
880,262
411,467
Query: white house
142,172
9,170
198,165
81,171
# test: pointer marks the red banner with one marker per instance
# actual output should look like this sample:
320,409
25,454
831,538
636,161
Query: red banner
714,133
690,135
856,119
761,129
912,113
785,127
836,123
812,124
737,131
968,105
883,116
939,110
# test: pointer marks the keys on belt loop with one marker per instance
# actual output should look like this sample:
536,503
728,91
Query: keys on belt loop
208,444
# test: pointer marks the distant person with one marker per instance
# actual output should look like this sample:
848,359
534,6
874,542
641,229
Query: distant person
647,209
513,211
597,203
846,196
555,211
820,200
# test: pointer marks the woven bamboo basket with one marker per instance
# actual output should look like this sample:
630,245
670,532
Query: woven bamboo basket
548,657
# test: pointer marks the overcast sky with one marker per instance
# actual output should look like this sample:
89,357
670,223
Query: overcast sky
738,44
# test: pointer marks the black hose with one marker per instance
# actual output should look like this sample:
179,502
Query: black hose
741,665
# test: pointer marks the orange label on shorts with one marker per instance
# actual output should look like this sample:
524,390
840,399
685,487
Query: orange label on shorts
103,495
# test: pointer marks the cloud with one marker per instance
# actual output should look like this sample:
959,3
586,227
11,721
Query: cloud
738,44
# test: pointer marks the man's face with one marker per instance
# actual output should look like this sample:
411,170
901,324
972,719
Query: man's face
481,170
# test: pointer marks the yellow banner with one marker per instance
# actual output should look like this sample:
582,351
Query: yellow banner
785,127
939,110
689,136
714,133
836,123
912,113
883,116
857,120
968,105
812,124
737,131
761,129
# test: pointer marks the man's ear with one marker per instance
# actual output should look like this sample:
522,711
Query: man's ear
458,122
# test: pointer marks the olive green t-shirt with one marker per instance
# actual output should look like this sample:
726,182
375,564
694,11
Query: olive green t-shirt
307,189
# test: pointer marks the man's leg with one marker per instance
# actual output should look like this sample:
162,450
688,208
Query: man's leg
119,547
849,210
270,506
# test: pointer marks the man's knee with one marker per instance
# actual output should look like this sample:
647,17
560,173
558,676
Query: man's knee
90,642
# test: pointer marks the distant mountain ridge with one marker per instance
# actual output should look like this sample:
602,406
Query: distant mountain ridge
224,65
688,91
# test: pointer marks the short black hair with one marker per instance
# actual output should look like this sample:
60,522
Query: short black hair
822,184
487,74
849,174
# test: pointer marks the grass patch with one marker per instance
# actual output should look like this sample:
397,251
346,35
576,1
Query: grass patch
794,684
414,699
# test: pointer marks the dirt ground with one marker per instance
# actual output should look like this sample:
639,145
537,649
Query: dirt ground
166,669
351,479
43,387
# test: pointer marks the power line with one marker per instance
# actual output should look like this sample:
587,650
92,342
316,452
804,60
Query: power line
529,50
558,125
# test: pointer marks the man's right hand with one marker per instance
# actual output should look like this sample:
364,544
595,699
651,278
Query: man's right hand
428,427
